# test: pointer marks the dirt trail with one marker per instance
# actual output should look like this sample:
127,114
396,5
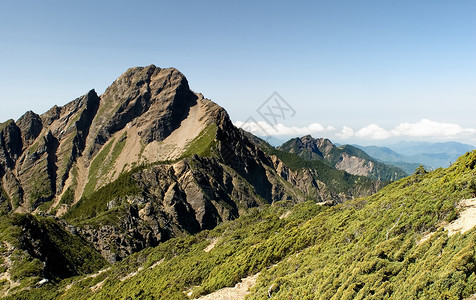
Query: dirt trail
239,291
466,220
86,277
211,246
6,275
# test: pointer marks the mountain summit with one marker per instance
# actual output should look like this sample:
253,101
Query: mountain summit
135,117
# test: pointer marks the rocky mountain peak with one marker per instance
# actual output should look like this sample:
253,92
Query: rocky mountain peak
150,150
30,125
152,99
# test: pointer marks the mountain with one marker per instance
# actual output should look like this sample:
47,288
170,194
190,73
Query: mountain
345,157
405,242
409,155
149,192
106,176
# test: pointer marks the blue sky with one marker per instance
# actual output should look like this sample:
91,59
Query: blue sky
356,71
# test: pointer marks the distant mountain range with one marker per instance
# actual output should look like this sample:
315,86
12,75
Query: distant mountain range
406,155
409,155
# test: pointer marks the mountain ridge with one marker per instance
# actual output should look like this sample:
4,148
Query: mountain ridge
147,161
345,157
393,244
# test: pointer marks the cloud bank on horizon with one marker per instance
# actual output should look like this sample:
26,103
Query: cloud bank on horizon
423,129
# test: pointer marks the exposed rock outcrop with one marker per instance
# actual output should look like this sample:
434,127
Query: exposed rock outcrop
155,100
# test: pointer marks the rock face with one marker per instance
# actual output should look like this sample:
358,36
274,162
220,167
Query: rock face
30,125
188,196
147,160
152,99
10,145
346,157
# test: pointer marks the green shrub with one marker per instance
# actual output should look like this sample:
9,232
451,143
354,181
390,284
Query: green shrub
203,143
96,203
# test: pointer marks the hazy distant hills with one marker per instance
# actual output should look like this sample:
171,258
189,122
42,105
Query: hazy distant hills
409,155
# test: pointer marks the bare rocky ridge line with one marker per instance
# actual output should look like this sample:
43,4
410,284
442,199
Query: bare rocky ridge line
152,100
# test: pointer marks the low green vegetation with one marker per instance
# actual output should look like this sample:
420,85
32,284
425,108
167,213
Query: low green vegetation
103,163
65,159
5,206
32,149
118,147
5,124
41,190
92,206
203,144
95,169
68,196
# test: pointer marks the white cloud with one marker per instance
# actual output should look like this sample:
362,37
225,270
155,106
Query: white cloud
422,129
346,133
373,132
263,128
316,127
428,128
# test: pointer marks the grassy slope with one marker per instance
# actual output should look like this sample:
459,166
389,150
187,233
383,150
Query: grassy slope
363,248
93,208
203,144
5,124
